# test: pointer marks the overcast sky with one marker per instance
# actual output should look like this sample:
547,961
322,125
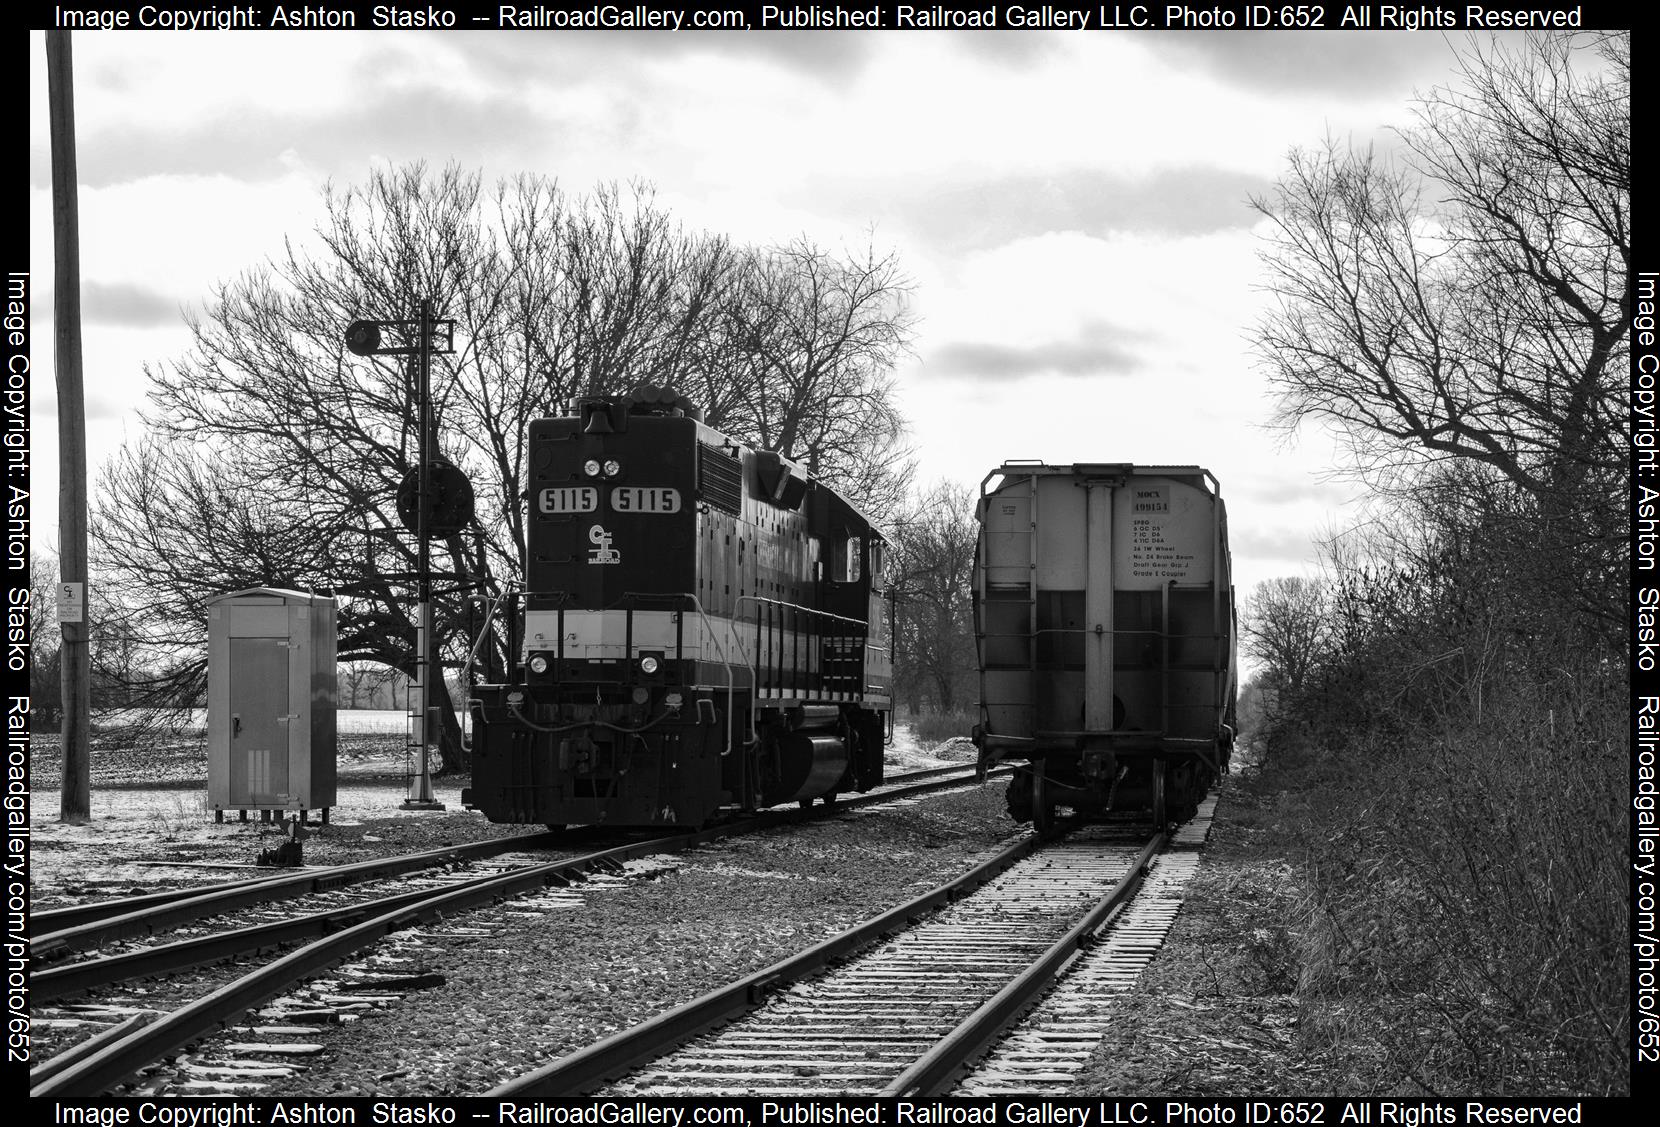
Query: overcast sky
1072,206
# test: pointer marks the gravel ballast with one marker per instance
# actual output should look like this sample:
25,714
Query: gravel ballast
520,986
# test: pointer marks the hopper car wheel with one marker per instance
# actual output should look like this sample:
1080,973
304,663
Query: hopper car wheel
1161,812
1043,807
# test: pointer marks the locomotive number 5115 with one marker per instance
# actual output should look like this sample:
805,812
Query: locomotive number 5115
645,499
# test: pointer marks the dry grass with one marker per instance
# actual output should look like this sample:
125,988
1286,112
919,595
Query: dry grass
1463,918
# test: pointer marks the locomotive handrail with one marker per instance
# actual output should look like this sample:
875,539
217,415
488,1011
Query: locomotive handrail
483,632
813,615
726,662
809,610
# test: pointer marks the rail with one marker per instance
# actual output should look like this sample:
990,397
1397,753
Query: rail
585,1069
932,1072
63,930
91,1069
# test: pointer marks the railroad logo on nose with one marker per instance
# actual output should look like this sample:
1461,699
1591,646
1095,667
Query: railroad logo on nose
605,553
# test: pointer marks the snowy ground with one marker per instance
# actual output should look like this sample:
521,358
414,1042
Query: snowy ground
164,835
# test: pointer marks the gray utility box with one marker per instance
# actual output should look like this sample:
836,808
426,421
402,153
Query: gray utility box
271,699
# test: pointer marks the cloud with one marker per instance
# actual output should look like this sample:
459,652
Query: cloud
263,143
125,303
1274,544
1299,62
484,100
1024,49
1097,351
558,57
1192,200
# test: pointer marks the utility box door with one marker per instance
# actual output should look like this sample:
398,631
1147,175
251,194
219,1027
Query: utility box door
260,723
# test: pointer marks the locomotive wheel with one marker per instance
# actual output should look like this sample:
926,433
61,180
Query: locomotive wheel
1161,815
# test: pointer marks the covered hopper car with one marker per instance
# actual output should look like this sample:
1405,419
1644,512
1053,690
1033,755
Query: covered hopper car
703,627
1104,622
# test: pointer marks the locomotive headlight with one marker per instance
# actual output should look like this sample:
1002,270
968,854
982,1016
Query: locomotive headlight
612,469
591,468
648,665
538,664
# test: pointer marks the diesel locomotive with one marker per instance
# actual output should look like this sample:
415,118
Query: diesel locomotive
1105,630
703,627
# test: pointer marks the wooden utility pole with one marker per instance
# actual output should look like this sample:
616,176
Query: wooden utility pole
75,801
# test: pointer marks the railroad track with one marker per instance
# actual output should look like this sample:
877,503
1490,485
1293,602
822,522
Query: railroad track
104,1060
57,932
1056,1038
909,1016
62,931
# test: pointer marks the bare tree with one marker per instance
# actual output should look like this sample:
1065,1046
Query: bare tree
1470,301
611,292
817,336
1286,628
366,684
933,568
274,458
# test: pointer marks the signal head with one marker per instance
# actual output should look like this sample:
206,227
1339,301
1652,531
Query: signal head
363,338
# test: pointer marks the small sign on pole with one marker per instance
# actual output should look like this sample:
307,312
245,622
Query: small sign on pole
71,602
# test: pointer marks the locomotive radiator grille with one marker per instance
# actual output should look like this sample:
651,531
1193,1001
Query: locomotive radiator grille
720,479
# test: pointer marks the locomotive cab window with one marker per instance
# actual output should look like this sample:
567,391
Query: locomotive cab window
845,552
